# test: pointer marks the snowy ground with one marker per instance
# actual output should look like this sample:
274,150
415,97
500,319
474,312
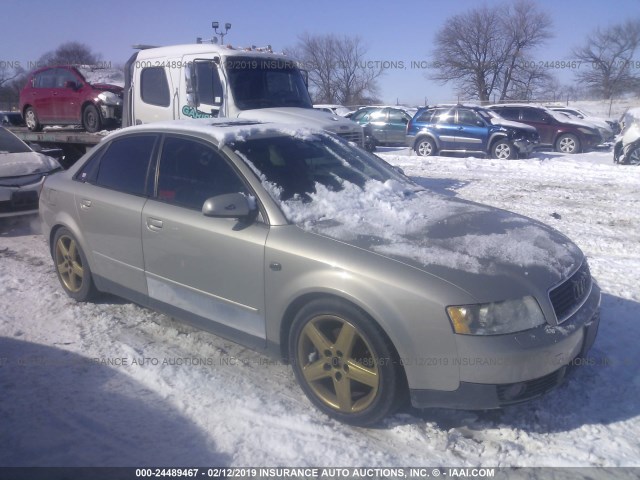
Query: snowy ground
174,396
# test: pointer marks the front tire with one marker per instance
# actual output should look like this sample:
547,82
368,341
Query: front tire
503,150
425,147
568,143
344,363
72,267
31,119
91,120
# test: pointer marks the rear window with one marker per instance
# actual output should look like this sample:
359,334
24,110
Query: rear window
124,166
154,88
508,113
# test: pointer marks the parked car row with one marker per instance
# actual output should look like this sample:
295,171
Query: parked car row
501,131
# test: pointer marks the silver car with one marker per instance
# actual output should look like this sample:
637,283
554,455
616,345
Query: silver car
22,174
306,247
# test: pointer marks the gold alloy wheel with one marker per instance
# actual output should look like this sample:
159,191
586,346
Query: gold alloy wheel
338,364
69,263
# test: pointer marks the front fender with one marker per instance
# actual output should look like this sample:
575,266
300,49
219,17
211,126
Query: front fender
406,303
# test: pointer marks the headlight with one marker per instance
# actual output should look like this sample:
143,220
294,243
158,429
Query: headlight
109,98
496,318
588,131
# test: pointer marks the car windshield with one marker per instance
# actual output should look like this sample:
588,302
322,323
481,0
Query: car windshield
297,165
266,83
9,143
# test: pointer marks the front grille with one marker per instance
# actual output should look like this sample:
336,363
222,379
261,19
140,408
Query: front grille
20,202
355,137
530,389
568,296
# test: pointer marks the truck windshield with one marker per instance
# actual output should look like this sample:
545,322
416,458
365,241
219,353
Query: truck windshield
265,83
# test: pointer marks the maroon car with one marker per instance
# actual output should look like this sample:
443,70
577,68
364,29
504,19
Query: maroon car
63,96
557,132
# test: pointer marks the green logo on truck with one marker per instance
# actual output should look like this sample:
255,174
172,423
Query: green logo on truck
191,112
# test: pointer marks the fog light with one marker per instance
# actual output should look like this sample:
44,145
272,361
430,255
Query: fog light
513,391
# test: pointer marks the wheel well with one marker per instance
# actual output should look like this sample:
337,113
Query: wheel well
422,136
496,138
85,105
24,110
52,235
300,302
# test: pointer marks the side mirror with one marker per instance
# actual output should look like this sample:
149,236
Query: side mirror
71,84
228,205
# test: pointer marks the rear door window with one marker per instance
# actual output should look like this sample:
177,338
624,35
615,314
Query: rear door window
125,164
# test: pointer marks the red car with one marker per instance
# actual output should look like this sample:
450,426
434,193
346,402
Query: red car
62,96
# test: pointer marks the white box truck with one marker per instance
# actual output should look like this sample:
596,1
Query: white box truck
210,80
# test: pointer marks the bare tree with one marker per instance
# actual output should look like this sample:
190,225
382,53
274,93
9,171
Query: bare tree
11,81
529,82
338,70
482,51
70,53
525,27
608,57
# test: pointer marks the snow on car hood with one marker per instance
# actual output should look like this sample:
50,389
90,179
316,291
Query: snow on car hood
26,163
429,229
308,117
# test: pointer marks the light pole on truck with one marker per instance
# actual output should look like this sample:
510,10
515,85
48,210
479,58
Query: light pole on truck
216,25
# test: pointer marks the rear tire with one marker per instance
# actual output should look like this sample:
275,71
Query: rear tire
568,143
425,147
344,363
72,267
31,119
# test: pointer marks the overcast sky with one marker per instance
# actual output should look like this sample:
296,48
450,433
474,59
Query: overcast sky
397,33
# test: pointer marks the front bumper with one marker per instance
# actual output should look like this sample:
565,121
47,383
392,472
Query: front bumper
16,201
111,112
525,146
590,142
504,370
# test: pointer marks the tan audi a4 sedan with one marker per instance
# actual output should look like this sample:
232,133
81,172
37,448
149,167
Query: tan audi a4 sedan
308,248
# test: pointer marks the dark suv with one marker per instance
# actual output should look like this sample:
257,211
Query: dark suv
382,125
556,131
62,96
469,129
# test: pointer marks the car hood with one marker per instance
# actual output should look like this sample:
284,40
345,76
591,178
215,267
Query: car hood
27,163
308,117
107,87
510,123
456,240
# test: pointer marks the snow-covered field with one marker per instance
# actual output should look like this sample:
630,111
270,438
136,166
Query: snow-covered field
111,383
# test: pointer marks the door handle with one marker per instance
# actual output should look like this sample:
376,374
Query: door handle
154,224
85,204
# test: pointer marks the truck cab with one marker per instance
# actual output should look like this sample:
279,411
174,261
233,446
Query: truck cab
209,80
